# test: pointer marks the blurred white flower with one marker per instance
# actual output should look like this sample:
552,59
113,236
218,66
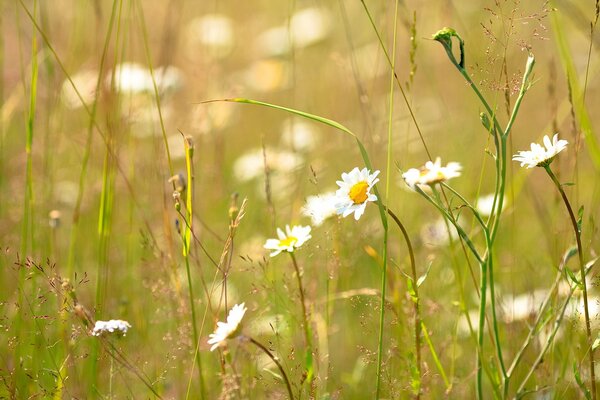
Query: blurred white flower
485,203
299,135
214,31
116,326
134,78
435,234
252,164
229,329
306,27
522,307
539,156
320,207
85,82
289,240
355,192
431,173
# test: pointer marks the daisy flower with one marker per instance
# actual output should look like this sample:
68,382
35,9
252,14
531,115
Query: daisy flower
229,329
539,156
289,240
114,326
355,192
320,207
431,173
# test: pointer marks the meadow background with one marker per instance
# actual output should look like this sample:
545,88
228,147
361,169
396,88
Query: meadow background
89,228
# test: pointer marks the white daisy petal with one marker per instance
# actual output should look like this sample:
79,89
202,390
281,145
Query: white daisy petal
540,156
293,238
229,329
431,173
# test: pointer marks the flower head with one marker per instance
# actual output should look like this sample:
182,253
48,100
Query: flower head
289,240
229,329
355,192
431,173
320,207
539,156
114,326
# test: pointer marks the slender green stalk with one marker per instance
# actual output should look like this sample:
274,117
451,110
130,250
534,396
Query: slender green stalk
575,225
307,329
272,357
187,237
27,225
88,147
436,359
385,233
415,298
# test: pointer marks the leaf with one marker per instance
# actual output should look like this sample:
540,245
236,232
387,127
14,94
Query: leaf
579,219
596,342
571,275
424,276
580,383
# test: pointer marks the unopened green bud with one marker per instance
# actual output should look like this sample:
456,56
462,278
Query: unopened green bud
444,36
485,121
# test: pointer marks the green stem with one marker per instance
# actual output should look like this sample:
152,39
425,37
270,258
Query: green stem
272,357
307,330
588,329
415,278
189,153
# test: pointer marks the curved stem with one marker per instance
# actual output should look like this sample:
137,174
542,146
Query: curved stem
416,293
307,334
272,357
588,329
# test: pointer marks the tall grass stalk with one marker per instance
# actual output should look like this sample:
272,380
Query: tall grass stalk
583,284
310,364
385,233
27,242
187,241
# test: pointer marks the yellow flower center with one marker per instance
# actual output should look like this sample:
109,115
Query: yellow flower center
358,192
288,241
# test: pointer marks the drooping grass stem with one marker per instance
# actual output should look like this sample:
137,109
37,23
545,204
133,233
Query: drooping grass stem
577,231
306,325
272,357
414,296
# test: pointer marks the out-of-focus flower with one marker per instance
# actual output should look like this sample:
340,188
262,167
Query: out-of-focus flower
307,27
214,31
355,192
485,203
320,207
523,306
252,164
289,240
85,82
436,234
114,326
431,173
54,219
229,329
134,78
299,135
539,156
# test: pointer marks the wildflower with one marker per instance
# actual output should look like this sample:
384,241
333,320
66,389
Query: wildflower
116,326
289,240
320,207
485,203
355,192
229,329
431,173
539,156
